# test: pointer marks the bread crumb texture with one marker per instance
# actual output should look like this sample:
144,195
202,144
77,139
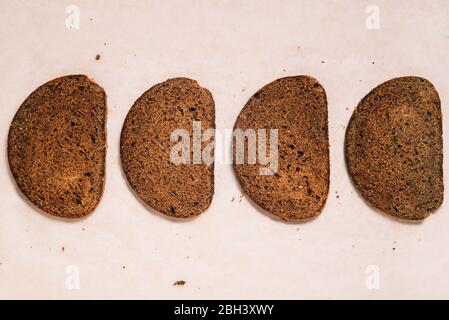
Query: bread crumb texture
297,107
394,148
57,146
176,190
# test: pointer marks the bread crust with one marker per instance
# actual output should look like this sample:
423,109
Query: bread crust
394,148
57,146
297,107
176,190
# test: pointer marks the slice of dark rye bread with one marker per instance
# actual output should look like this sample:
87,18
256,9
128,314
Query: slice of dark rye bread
297,107
176,190
394,148
57,146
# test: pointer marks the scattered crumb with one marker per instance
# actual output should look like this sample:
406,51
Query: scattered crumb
322,61
337,195
97,57
187,257
62,248
241,197
297,229
123,267
372,62
83,229
90,19
346,108
105,43
232,200
360,80
299,47
283,70
353,246
179,283
243,90
394,248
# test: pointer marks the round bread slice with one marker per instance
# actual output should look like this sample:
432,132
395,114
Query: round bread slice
57,146
177,189
394,148
297,108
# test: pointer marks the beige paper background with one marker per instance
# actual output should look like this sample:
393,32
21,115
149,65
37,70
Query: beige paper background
231,251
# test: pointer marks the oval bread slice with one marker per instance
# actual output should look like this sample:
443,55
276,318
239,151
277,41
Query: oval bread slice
57,146
394,148
179,190
297,108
